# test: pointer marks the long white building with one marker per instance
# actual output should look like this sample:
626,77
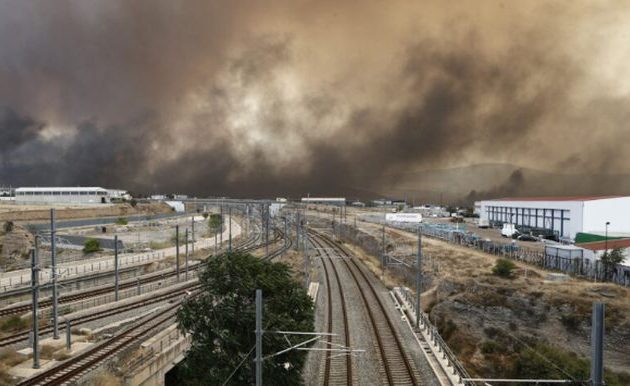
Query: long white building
565,215
62,195
324,200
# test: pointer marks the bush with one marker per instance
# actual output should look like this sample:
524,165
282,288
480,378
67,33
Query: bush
122,221
571,322
182,238
91,246
133,202
503,268
490,347
214,222
8,227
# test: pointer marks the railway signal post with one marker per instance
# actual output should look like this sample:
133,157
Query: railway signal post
53,262
116,276
177,251
35,291
186,258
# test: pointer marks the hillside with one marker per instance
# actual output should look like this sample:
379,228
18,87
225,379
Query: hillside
498,180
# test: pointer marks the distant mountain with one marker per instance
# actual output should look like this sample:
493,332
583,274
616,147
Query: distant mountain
466,184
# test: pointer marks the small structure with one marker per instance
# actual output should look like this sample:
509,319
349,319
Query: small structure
598,248
324,200
177,206
414,218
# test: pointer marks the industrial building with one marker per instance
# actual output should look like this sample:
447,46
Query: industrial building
61,195
324,200
565,216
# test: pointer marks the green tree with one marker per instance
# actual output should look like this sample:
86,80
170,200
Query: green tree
610,261
214,222
122,221
221,322
503,268
91,246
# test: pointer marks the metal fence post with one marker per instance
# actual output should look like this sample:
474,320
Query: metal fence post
597,345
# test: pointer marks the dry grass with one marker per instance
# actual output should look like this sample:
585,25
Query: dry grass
47,351
102,378
374,265
10,357
62,355
14,323
452,260
5,378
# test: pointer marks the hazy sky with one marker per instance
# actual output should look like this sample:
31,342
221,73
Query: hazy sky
255,98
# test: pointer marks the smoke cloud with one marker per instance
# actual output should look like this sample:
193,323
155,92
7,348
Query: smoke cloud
295,97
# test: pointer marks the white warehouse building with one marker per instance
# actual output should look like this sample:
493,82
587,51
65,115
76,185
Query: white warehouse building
567,216
60,195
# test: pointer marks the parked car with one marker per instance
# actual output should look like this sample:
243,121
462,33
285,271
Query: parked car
527,237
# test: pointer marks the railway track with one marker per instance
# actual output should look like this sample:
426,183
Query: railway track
23,336
71,369
248,245
395,366
77,366
337,369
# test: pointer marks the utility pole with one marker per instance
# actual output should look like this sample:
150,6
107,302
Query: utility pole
186,257
266,230
418,278
35,290
53,262
306,261
177,251
116,277
285,234
259,333
383,251
297,231
597,345
68,335
230,230
193,235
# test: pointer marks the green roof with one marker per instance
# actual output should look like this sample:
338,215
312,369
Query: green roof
591,237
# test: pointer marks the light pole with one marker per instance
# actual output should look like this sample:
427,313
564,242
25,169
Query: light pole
606,239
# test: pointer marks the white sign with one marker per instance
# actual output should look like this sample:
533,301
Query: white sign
403,217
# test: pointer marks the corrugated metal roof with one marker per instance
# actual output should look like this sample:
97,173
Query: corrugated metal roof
601,245
567,198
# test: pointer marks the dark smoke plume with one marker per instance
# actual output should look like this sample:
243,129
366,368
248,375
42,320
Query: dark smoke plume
288,98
